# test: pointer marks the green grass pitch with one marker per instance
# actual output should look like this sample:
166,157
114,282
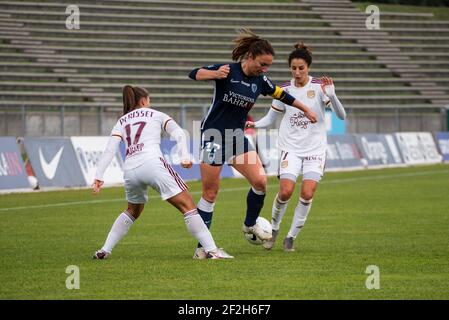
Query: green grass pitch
396,219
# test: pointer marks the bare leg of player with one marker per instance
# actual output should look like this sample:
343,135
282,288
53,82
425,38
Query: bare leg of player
184,203
119,229
210,180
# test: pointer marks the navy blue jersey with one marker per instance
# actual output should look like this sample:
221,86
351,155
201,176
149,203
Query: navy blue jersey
234,97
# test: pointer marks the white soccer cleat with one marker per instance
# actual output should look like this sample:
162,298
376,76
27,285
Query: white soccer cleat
269,244
257,231
101,255
218,253
200,254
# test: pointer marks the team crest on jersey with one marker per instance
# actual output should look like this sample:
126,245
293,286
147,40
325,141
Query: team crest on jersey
311,94
254,87
284,164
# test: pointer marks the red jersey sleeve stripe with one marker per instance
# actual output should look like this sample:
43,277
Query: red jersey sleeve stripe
165,124
278,110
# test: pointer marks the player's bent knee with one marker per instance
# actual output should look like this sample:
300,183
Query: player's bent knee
260,184
186,201
182,201
135,209
307,195
210,194
285,194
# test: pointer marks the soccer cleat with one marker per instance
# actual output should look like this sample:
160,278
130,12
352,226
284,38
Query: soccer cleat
101,255
288,244
269,244
200,254
257,231
218,253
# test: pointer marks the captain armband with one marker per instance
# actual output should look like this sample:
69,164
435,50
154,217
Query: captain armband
285,97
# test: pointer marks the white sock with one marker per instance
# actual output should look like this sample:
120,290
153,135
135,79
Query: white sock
205,205
278,212
259,193
199,230
118,231
300,217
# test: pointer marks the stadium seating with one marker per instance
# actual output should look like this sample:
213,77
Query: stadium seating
155,43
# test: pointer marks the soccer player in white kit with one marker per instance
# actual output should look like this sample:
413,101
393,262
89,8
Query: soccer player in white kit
302,144
140,129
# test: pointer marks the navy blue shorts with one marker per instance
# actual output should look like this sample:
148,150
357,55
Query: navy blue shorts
218,149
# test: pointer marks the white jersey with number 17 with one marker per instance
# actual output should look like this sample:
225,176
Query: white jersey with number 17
141,130
296,133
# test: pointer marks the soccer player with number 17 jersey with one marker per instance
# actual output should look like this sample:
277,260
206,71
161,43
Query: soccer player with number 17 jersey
140,129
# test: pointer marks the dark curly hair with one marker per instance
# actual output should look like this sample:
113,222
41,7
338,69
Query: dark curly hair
301,52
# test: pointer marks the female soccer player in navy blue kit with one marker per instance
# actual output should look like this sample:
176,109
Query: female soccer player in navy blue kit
237,86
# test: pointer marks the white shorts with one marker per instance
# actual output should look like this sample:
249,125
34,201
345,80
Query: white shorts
291,166
156,173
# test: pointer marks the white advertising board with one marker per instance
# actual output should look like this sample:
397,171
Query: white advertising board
88,151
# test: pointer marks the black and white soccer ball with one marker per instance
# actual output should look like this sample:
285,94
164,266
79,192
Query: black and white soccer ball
265,225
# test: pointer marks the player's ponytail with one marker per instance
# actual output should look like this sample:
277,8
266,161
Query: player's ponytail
301,52
247,42
131,96
129,100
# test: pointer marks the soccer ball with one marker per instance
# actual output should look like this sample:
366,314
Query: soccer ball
33,182
364,162
265,225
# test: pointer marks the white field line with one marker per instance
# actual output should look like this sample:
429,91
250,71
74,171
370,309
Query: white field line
347,180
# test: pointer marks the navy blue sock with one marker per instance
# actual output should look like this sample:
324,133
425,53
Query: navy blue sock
207,218
254,204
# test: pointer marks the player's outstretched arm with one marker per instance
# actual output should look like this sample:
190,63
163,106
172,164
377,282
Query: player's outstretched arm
177,134
307,111
207,74
105,160
286,98
267,120
327,85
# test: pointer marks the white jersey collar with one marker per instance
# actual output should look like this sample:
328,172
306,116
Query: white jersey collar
292,83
